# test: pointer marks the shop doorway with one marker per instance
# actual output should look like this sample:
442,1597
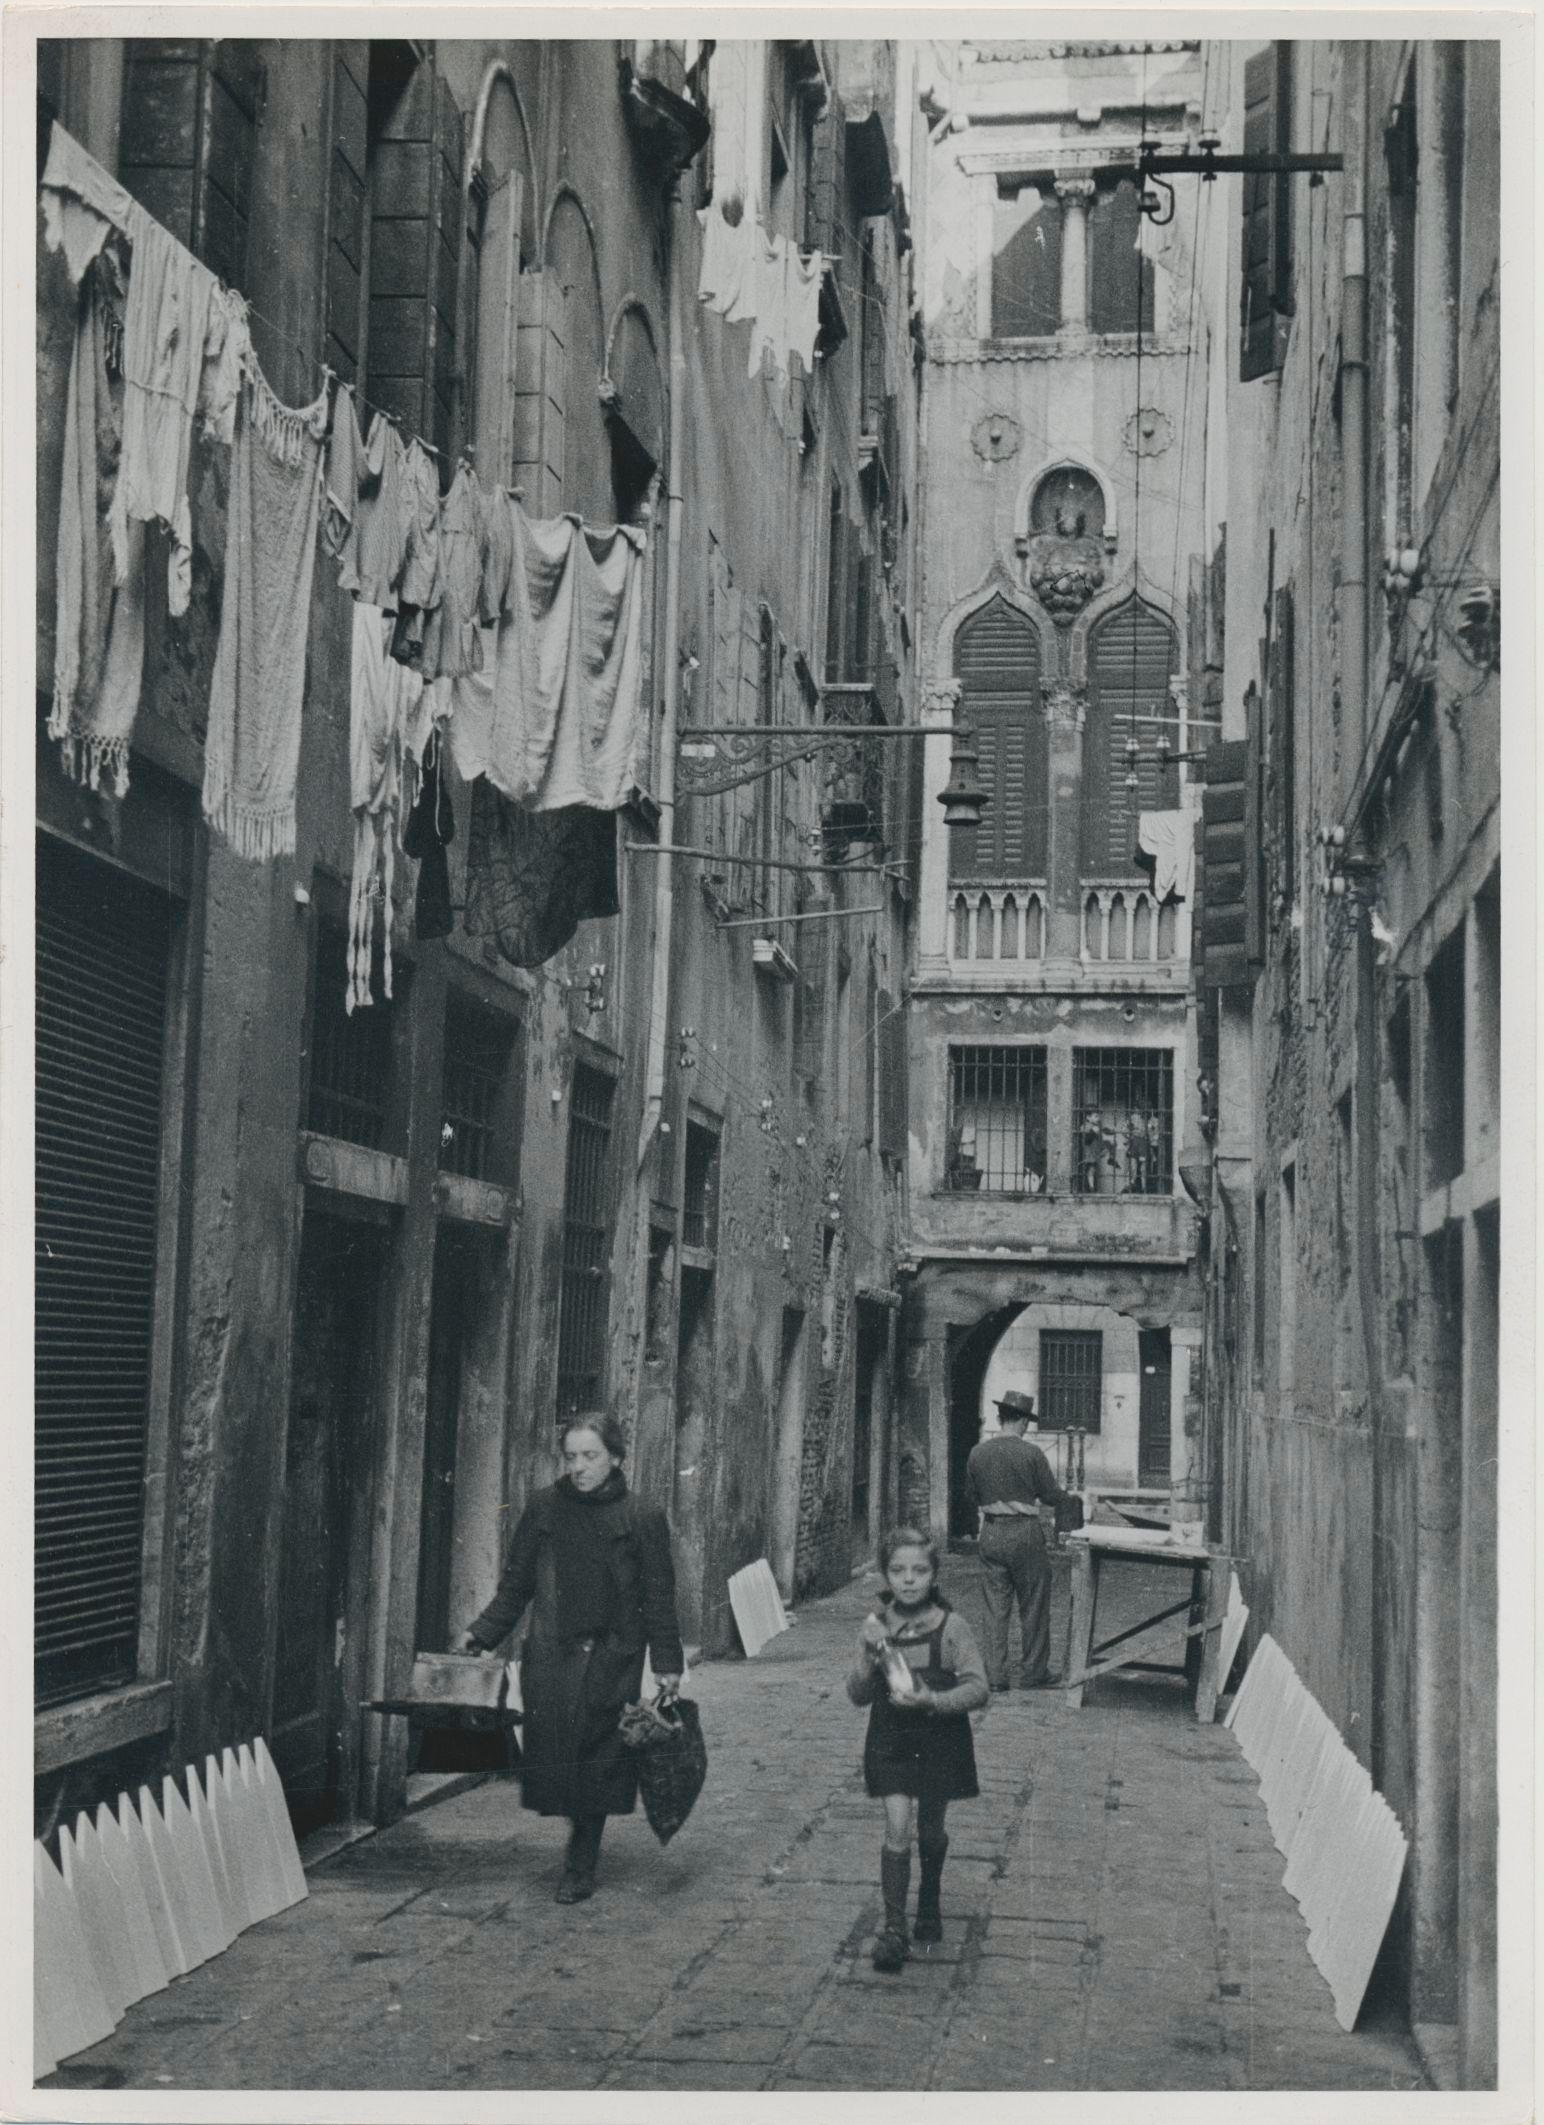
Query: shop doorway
790,1452
868,1426
1154,1470
328,1491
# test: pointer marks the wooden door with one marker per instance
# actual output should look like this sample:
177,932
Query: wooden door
454,1284
329,1462
1153,1470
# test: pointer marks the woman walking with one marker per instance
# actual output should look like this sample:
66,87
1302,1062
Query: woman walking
592,1563
920,1670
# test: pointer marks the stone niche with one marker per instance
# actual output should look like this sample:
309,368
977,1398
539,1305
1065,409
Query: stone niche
1063,554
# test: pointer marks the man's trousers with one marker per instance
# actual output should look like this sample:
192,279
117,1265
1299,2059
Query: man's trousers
1016,1565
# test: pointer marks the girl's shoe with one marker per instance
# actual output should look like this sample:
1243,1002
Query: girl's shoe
889,1949
929,1924
575,1889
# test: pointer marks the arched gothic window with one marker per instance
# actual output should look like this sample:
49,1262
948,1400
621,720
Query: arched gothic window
997,660
1131,658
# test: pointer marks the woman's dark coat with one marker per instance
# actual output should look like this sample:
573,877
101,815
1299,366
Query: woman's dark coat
574,1759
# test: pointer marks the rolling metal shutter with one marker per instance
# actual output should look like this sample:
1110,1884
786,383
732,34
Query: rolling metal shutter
997,660
1131,659
103,947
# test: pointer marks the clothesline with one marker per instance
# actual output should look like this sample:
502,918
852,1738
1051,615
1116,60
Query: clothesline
518,638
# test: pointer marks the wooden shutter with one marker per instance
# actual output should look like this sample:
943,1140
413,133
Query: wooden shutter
1130,665
497,338
828,179
893,1068
997,659
414,198
1283,755
1266,208
186,143
346,209
103,950
1221,885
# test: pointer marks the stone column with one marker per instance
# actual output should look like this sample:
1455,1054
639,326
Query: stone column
940,700
1064,715
1076,195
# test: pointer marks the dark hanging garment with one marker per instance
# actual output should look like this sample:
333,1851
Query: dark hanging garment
430,829
533,877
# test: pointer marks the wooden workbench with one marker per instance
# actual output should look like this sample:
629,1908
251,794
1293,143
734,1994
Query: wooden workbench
1204,1606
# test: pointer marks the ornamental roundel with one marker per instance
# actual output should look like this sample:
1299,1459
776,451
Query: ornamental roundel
1148,432
996,436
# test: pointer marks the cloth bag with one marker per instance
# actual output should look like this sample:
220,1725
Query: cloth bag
672,1760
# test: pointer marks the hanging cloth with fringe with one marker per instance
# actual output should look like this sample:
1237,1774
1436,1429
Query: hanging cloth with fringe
252,752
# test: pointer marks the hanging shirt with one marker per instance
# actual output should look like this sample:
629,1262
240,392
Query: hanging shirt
99,632
452,638
375,546
168,323
252,750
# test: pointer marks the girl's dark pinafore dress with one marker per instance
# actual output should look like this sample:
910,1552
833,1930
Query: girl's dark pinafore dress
929,1755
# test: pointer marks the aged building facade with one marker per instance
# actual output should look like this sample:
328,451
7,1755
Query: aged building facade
1349,984
1052,1240
342,1273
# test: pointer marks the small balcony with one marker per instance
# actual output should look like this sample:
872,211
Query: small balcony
1124,926
1001,923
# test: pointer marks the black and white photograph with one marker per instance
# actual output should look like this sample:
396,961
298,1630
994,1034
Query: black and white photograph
759,1033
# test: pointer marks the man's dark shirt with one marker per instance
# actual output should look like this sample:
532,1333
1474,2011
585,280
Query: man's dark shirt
1007,1469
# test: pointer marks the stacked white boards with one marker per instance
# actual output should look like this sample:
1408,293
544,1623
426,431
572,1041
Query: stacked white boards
1342,1842
144,1895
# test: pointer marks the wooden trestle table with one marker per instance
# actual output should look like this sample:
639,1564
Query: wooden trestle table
1093,1549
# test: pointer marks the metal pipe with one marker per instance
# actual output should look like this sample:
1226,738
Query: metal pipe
756,863
765,922
664,883
1353,404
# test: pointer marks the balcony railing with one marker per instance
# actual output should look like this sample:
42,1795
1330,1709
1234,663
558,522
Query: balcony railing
998,922
1125,926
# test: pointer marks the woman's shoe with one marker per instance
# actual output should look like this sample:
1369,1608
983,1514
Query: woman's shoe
575,1889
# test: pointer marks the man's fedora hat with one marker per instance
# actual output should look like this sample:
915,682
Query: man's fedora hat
1016,1404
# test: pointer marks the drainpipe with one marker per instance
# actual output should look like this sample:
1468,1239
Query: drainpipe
1353,404
664,871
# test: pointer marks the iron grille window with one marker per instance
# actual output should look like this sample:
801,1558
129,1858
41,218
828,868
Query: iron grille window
997,1120
586,1244
477,1051
350,1054
699,1213
1123,1121
1071,1379
103,953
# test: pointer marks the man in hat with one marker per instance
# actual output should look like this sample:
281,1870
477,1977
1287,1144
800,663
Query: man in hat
1010,1479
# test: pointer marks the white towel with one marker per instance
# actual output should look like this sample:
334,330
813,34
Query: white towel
1169,838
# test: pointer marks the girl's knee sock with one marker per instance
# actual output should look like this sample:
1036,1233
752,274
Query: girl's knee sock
895,1882
932,1854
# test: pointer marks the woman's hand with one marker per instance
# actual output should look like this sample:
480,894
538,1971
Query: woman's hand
469,1644
669,1687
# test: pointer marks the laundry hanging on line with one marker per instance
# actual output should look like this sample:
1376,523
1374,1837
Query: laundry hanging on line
552,610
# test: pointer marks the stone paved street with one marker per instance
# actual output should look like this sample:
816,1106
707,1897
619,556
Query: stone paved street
1113,1920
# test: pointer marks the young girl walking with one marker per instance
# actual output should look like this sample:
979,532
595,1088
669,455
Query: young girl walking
920,1671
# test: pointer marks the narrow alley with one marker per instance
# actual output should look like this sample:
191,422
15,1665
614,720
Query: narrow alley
767,835
1114,1918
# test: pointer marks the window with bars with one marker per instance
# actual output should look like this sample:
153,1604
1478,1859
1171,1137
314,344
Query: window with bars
103,959
997,1120
351,1058
585,1296
699,1209
1122,1121
473,1131
1071,1379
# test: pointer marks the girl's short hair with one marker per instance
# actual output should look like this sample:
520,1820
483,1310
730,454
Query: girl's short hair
607,1429
908,1538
